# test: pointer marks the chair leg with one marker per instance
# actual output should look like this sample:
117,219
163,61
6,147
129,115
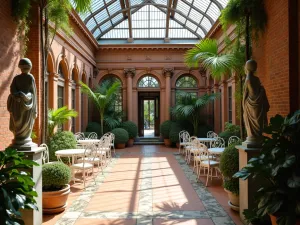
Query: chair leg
207,177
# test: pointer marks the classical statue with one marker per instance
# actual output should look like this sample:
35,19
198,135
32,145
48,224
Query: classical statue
22,106
256,106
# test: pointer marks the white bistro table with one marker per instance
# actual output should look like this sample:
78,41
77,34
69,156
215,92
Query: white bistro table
216,151
86,142
70,153
207,141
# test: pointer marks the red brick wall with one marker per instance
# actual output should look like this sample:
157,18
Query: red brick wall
9,58
272,54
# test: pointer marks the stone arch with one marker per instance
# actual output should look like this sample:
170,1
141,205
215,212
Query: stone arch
110,75
65,67
144,73
75,70
185,73
50,62
117,73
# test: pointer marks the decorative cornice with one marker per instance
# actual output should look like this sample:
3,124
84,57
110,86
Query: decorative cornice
129,72
74,15
168,72
142,47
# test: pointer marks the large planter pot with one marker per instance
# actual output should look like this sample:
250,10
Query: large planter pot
167,142
55,201
130,142
234,200
120,146
273,220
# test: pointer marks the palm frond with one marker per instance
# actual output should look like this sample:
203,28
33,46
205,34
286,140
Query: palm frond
82,5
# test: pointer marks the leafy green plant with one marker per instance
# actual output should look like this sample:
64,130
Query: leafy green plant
121,135
59,117
55,176
131,128
103,97
59,141
16,186
278,169
174,132
165,128
230,130
229,165
190,107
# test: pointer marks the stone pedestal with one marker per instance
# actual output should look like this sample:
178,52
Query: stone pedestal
33,217
249,187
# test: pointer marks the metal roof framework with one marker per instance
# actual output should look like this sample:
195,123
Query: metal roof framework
152,19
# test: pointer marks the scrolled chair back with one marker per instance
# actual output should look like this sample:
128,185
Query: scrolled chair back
201,148
93,135
233,139
45,157
211,134
79,136
218,143
184,137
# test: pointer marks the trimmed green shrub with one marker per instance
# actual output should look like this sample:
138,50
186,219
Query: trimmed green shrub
131,128
232,185
165,128
230,130
229,165
61,140
55,176
174,132
121,135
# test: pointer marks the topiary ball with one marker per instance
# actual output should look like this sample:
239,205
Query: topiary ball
61,140
55,176
232,185
131,128
121,135
165,128
229,161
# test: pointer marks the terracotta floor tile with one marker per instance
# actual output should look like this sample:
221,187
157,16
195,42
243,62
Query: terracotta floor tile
105,222
183,222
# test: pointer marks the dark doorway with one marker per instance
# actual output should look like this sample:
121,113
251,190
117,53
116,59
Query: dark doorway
148,106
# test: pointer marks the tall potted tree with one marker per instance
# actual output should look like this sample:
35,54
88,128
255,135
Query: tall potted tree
102,96
190,107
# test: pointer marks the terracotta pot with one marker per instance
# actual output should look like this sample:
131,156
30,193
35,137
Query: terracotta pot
130,142
273,220
233,199
55,201
167,142
120,146
177,145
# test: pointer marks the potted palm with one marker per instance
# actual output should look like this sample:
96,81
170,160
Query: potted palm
278,169
121,137
229,165
165,128
17,186
174,133
132,130
56,188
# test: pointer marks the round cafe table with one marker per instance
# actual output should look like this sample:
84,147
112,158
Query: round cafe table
70,153
216,151
207,141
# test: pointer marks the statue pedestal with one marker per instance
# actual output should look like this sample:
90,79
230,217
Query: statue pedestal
33,217
249,187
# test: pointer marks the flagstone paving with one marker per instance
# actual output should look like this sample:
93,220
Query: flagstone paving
147,185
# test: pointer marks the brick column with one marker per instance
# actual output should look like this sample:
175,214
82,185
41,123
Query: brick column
216,109
68,101
78,107
224,104
52,93
129,73
168,73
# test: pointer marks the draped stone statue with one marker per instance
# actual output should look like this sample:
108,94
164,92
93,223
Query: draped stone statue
256,106
22,106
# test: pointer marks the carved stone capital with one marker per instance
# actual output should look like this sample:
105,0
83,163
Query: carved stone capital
168,72
129,72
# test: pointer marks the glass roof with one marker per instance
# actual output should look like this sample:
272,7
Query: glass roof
152,19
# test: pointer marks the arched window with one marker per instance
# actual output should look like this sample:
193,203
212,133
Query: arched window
109,80
61,71
148,82
73,99
186,83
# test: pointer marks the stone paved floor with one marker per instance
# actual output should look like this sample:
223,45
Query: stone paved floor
146,185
